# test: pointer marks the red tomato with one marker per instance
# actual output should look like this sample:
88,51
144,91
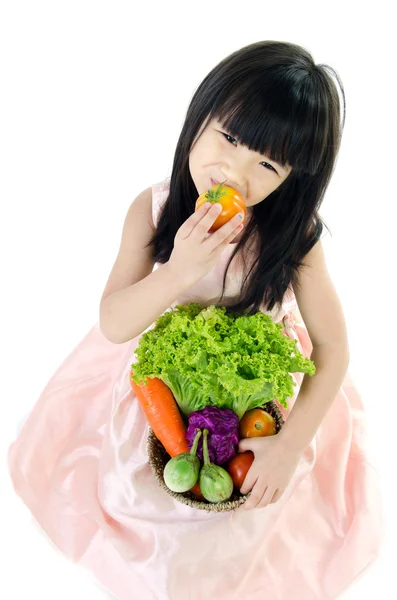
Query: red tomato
256,423
238,467
231,200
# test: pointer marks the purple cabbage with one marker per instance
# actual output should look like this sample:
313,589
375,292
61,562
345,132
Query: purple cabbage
222,425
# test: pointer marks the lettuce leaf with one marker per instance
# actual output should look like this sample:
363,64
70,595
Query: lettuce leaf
209,357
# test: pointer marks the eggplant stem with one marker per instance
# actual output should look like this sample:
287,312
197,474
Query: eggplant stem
205,448
193,449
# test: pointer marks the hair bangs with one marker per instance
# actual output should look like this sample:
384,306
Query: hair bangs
294,134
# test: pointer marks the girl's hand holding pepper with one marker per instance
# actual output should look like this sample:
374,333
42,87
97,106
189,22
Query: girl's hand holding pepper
271,471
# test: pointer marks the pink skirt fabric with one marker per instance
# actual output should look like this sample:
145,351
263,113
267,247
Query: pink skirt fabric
80,464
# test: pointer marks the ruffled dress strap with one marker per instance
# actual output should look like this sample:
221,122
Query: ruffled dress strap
160,192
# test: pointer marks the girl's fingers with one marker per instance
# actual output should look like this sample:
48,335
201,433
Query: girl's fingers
191,223
234,234
196,249
226,233
204,224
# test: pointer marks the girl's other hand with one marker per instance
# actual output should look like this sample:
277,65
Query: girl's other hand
195,251
271,471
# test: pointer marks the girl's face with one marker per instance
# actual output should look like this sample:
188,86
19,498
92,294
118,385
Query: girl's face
217,155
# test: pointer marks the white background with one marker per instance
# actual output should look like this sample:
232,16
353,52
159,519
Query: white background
93,97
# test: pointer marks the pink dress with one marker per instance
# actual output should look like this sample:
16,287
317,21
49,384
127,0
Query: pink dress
80,464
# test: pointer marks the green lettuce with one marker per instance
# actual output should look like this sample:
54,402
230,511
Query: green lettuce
209,357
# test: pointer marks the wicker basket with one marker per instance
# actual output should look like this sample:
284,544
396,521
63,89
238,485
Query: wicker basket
158,458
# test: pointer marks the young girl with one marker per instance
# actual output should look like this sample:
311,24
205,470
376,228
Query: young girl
267,122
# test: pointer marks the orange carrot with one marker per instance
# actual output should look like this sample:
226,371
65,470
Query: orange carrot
162,413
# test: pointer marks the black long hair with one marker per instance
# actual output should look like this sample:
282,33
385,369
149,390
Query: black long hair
274,99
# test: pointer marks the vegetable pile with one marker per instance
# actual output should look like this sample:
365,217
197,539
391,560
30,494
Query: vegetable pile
208,357
210,372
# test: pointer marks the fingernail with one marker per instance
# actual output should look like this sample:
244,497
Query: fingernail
240,215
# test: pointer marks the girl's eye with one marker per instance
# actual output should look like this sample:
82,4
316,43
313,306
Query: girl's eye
270,167
228,136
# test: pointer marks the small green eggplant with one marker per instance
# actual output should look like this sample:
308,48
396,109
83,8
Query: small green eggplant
182,471
215,482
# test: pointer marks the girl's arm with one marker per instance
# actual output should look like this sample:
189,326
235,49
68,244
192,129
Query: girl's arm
322,313
135,295
130,311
